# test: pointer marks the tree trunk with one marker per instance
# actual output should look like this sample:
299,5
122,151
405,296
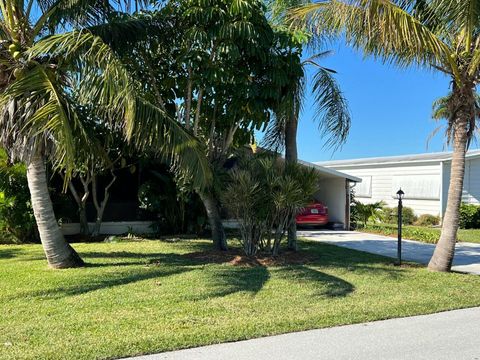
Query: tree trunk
58,252
214,218
291,155
445,250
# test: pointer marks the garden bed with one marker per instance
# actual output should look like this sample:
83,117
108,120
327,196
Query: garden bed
425,234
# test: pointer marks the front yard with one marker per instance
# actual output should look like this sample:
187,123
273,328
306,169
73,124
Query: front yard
139,297
421,233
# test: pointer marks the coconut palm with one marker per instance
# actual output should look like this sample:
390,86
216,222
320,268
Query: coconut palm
47,74
441,35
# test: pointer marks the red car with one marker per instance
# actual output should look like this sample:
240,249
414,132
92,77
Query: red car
314,214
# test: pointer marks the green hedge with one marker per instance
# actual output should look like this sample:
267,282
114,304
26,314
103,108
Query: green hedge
469,216
427,235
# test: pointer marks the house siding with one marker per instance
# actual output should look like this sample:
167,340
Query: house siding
387,176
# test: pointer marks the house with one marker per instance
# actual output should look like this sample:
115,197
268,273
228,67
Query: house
124,214
424,178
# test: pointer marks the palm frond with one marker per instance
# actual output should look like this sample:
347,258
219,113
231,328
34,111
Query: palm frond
154,131
45,113
379,28
331,108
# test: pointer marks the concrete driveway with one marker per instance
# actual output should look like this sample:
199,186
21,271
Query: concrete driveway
467,255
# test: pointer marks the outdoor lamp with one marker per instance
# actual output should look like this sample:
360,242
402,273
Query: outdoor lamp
400,196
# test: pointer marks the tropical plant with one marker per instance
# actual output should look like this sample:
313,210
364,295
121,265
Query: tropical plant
218,71
17,223
440,35
369,212
265,196
47,73
331,109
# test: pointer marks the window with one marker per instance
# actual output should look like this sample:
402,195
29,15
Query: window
364,189
420,187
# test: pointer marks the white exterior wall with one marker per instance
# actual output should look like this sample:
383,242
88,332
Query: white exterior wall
471,182
386,177
112,227
332,193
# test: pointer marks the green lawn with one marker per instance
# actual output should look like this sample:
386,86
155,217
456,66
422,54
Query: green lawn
151,296
421,233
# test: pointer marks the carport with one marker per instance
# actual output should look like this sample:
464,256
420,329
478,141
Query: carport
334,191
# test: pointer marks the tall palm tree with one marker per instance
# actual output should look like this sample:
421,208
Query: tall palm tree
441,35
331,114
47,74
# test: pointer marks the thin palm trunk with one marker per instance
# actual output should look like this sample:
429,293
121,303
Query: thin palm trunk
445,250
213,213
58,252
291,155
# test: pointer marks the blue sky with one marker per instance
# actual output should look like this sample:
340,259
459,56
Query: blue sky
390,108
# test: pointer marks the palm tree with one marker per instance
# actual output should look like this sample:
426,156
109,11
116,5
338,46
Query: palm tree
369,211
46,77
440,35
331,113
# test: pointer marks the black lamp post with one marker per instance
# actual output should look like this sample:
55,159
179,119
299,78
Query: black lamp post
400,195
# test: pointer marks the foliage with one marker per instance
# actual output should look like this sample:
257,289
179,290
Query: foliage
265,195
469,216
177,209
423,234
391,215
17,223
427,220
178,300
369,212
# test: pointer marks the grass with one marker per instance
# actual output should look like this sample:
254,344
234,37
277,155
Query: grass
421,233
151,296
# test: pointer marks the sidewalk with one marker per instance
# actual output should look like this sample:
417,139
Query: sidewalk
443,336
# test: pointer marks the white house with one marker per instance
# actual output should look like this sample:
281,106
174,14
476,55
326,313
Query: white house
424,178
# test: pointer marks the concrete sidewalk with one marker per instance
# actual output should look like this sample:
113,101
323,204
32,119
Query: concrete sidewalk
443,336
467,255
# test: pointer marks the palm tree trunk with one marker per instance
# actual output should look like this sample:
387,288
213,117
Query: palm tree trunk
445,250
212,207
291,155
58,252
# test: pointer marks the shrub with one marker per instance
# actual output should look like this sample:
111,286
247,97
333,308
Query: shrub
265,196
390,215
17,223
420,234
469,216
368,212
427,220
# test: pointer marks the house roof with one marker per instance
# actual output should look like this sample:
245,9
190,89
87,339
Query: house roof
331,173
414,158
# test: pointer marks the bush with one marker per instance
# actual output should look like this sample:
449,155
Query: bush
427,220
17,223
265,196
469,216
420,234
390,215
367,212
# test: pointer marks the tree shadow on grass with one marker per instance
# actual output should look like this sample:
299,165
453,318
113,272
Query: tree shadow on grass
331,256
328,285
9,253
93,283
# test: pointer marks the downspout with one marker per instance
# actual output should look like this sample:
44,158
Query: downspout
442,166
